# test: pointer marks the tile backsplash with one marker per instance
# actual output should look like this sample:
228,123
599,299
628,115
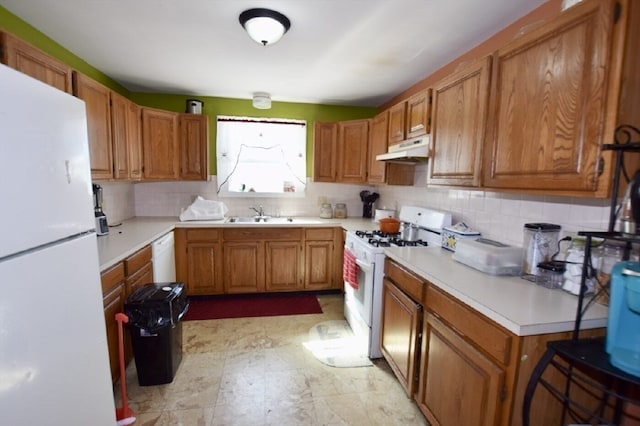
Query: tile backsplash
498,216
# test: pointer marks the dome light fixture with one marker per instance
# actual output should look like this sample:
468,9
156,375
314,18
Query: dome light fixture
265,26
261,100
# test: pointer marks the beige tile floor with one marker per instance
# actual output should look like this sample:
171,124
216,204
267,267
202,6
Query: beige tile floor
256,371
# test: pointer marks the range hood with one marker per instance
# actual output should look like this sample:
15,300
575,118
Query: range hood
409,151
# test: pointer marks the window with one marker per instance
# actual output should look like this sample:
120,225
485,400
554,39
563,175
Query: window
261,156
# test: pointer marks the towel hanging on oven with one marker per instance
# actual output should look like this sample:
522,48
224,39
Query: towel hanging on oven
350,269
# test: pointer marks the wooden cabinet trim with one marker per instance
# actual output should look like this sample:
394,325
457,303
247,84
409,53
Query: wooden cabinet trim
405,280
112,276
137,260
482,331
319,233
202,234
253,234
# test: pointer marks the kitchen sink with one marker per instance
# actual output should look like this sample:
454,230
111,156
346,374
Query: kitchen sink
258,219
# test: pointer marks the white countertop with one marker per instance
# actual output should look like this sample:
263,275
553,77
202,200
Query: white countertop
133,234
520,306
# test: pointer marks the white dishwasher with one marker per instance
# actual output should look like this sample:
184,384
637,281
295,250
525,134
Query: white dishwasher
163,258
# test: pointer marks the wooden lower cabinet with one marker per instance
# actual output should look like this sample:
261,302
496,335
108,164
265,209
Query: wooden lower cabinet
323,258
118,282
283,267
400,335
253,260
113,297
460,385
199,260
243,267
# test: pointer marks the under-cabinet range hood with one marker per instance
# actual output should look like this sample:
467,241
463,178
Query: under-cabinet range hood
409,151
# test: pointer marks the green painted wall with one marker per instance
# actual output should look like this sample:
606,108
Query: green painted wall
213,106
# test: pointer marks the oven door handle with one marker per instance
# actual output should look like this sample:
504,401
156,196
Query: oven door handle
366,267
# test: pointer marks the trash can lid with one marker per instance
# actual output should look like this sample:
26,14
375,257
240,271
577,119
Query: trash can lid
154,293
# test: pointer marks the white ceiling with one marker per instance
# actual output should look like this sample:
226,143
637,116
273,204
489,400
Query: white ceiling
344,52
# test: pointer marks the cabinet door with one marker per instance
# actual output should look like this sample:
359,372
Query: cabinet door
160,144
283,269
400,335
194,147
113,303
459,119
378,145
97,99
141,277
204,268
244,267
548,103
418,114
319,266
353,140
397,118
27,59
458,385
120,133
325,149
134,141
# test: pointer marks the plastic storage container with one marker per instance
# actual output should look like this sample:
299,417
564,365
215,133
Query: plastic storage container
550,274
155,312
488,256
539,245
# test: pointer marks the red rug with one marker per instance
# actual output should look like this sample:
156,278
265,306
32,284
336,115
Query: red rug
251,305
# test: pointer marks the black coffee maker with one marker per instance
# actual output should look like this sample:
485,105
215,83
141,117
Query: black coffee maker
102,228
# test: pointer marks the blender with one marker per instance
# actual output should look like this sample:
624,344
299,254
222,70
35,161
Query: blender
102,228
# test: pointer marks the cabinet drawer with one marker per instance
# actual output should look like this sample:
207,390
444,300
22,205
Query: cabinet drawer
405,280
470,324
112,277
203,234
253,234
137,260
318,233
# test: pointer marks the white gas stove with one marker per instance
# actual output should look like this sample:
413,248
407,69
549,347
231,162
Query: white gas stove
363,300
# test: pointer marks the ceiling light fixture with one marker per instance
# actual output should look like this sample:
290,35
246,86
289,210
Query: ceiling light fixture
265,26
261,100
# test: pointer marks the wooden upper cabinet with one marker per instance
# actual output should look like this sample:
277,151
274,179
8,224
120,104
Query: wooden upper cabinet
353,141
548,103
418,114
325,148
378,135
194,147
457,132
160,144
25,58
97,99
397,122
127,141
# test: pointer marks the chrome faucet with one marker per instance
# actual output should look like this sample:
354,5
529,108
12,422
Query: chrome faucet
258,210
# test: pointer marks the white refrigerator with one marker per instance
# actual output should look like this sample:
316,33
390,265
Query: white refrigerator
54,367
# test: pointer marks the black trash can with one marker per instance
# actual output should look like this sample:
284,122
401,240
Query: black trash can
155,311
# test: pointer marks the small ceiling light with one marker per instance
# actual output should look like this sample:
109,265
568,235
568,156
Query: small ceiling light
261,100
265,26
